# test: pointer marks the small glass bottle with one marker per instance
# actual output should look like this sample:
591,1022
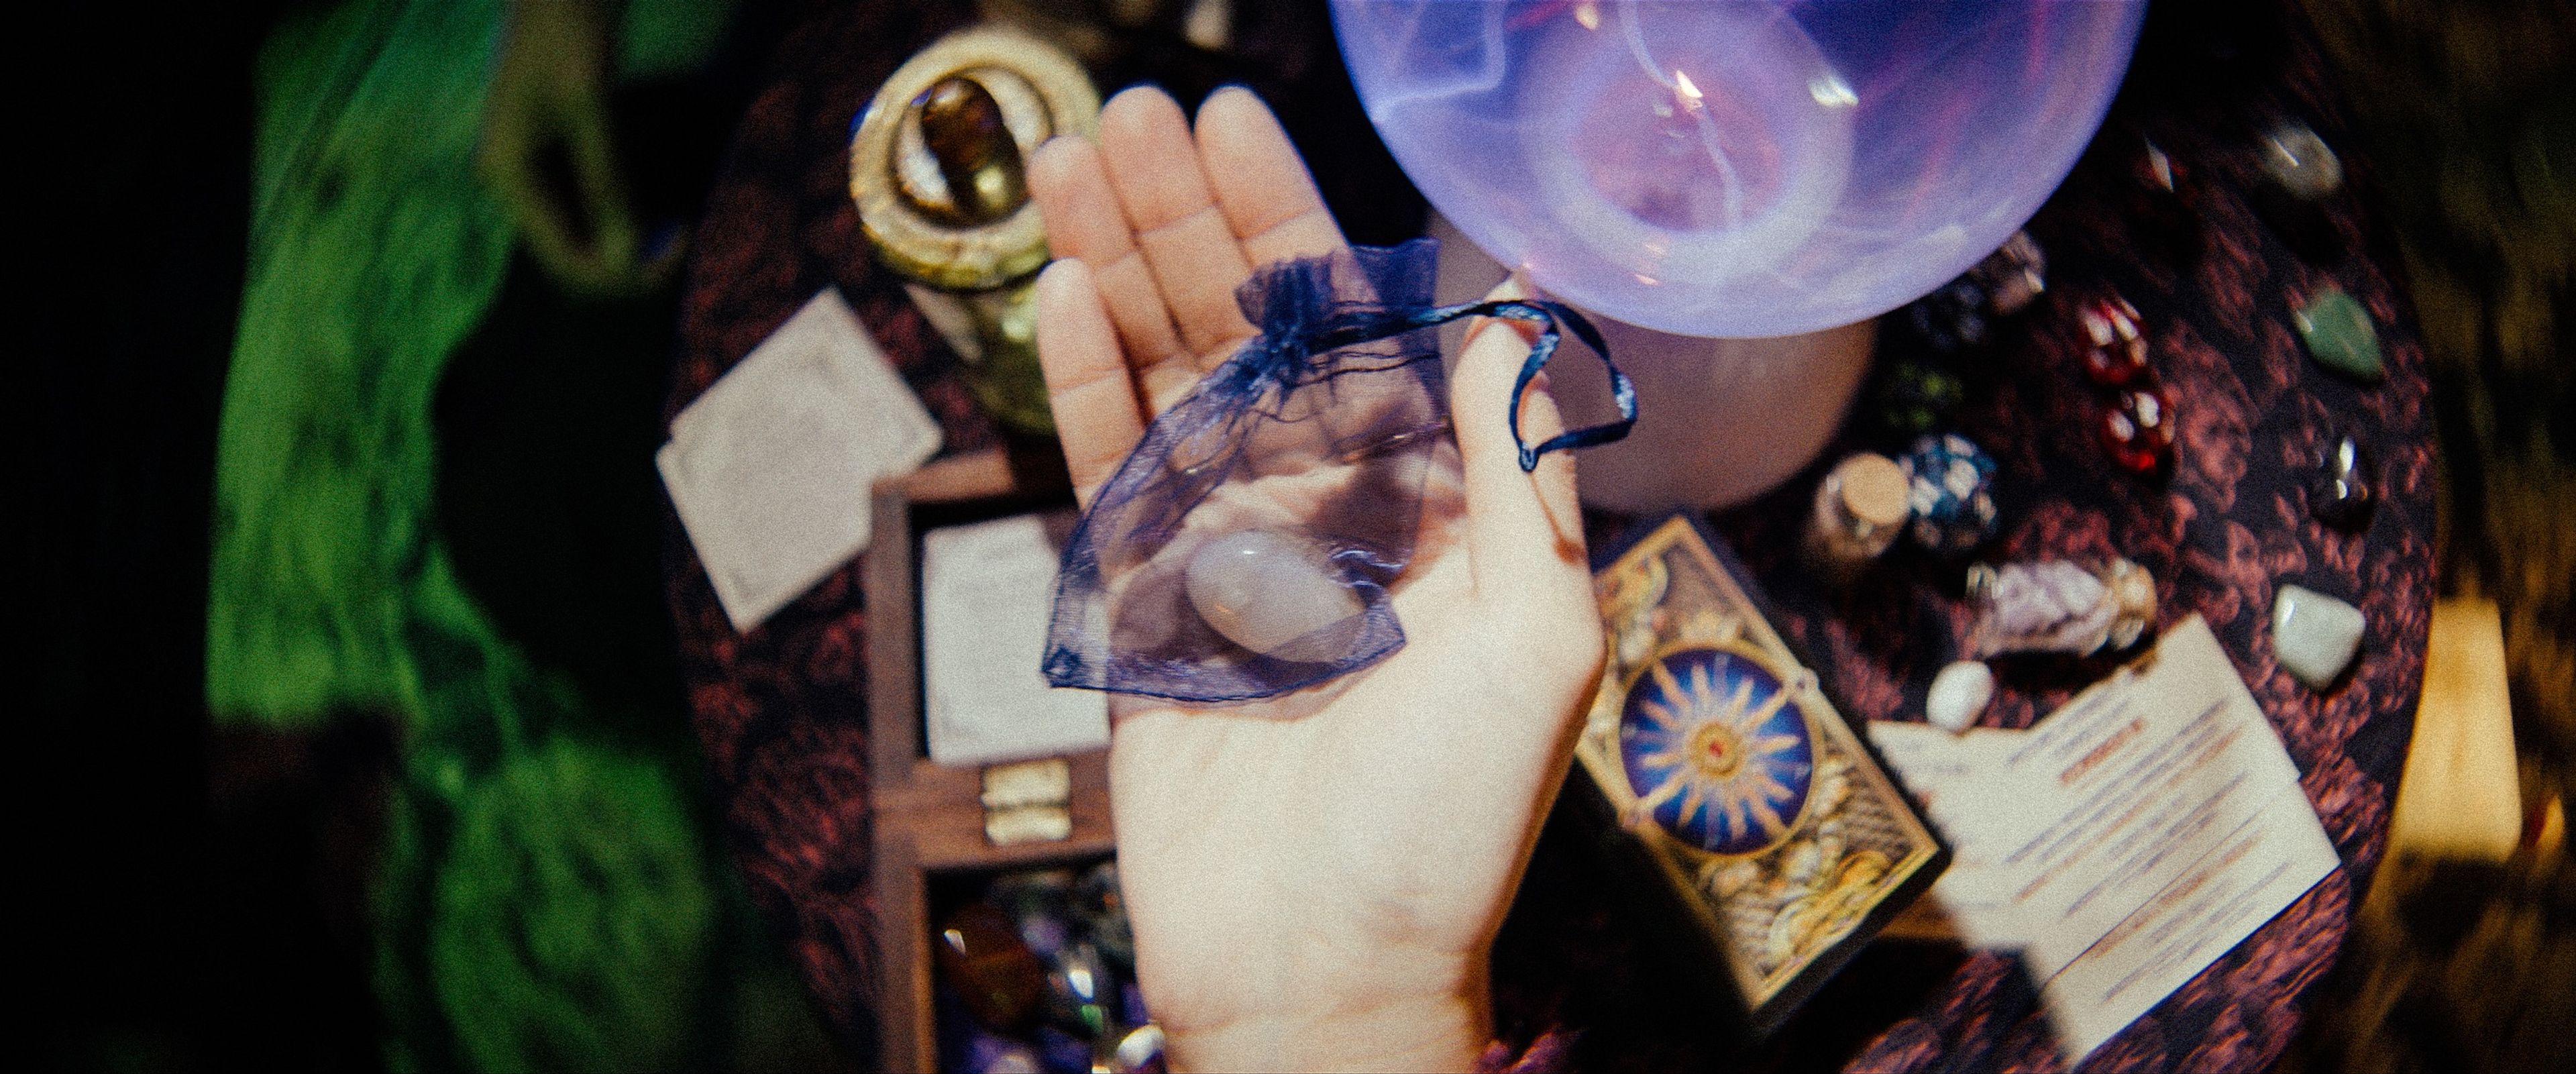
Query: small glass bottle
1859,510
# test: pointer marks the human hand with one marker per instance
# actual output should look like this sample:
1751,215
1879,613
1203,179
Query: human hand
1314,886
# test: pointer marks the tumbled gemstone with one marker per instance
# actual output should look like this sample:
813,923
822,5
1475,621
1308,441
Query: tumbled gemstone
2013,276
1914,396
2058,606
1082,993
1267,594
2340,491
2302,173
1104,912
987,1053
1952,319
2115,351
1065,1051
2300,162
988,966
2160,205
1134,1007
1039,903
2314,635
2138,429
1138,1052
1951,493
1959,695
963,131
2339,334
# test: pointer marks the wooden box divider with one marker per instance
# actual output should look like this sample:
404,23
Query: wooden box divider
929,817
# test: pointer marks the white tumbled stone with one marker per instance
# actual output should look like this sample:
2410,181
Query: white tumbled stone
1959,695
1265,593
2314,635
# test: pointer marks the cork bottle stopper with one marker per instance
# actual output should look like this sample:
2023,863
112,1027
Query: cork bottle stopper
1873,489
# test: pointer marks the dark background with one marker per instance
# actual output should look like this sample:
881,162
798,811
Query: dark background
190,901
195,899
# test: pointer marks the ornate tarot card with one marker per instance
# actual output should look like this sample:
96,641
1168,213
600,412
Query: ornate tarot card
1716,753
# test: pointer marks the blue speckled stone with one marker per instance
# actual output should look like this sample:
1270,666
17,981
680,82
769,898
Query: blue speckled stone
1951,492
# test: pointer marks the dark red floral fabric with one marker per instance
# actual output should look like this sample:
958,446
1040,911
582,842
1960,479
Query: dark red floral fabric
780,710
2221,533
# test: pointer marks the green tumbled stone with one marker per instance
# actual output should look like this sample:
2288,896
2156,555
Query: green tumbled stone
2339,335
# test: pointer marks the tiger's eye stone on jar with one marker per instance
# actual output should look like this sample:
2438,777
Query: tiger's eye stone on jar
1860,507
962,127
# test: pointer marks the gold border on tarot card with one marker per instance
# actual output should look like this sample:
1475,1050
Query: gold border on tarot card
1743,628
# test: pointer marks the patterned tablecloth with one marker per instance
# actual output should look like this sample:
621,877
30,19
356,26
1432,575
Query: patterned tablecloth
780,710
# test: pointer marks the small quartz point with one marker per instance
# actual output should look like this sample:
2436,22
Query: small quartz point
1266,594
2314,635
1959,695
2054,606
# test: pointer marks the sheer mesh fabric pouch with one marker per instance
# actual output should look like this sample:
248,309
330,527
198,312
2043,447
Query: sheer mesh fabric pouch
1248,545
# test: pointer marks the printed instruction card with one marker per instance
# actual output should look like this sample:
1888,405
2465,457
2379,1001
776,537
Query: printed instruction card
2127,841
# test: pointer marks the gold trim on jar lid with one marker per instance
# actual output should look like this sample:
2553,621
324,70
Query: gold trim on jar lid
900,190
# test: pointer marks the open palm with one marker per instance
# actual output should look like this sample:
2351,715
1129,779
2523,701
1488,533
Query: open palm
1314,881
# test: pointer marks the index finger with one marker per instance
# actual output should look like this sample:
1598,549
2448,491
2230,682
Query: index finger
1096,416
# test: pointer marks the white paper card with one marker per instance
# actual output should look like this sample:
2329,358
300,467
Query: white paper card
771,468
2126,842
986,592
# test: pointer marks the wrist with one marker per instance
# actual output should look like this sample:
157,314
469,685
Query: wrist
1435,1031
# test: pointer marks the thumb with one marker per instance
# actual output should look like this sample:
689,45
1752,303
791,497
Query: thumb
1524,529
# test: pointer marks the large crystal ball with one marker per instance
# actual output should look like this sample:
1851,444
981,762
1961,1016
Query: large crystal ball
1737,167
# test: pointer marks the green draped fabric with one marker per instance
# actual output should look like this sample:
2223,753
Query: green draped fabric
542,900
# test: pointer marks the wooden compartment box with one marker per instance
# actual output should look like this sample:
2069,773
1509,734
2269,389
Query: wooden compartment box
930,819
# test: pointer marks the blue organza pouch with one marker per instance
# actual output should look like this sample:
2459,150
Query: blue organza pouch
1246,547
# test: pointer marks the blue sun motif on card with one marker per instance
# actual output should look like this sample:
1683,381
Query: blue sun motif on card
1717,749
